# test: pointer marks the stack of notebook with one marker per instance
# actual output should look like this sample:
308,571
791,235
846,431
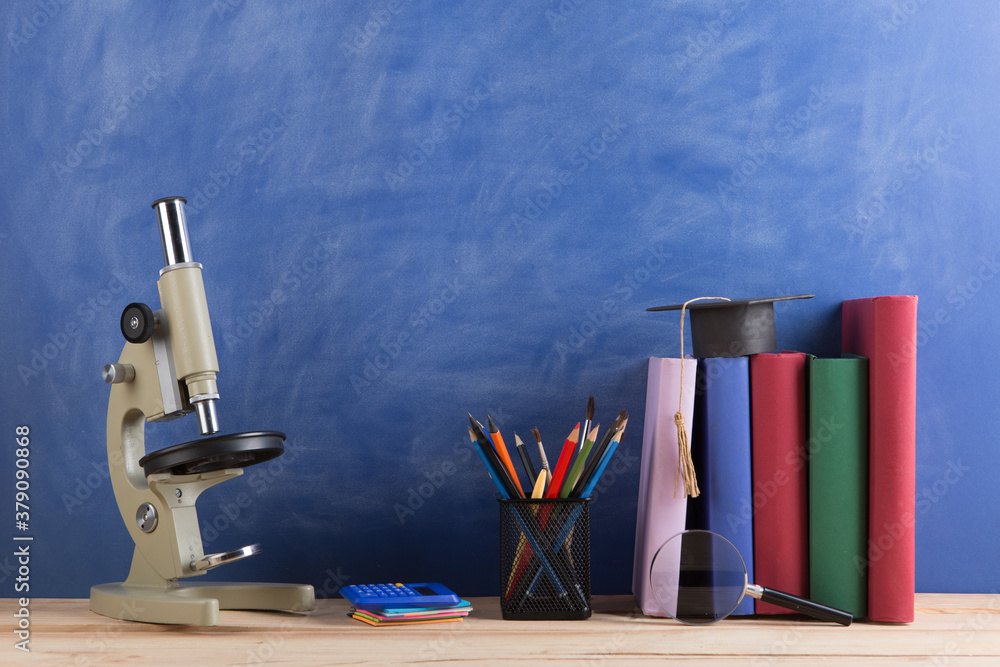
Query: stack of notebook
412,616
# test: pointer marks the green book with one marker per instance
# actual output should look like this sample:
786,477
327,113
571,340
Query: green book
838,483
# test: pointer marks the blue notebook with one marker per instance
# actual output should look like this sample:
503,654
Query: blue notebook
720,450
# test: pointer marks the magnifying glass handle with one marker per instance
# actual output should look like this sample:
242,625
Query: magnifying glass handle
801,605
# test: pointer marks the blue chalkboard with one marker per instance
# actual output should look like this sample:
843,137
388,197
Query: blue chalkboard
408,210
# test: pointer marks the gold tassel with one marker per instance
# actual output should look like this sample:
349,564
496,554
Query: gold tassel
685,466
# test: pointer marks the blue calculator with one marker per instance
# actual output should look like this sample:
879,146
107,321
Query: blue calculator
398,596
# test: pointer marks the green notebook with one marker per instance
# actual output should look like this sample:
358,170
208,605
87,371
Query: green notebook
838,483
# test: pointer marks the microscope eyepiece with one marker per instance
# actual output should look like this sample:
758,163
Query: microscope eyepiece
173,230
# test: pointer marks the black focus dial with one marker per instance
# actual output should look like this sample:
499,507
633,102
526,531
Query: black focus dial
137,323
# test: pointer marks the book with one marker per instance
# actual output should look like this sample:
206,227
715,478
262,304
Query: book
884,329
721,453
661,513
411,616
779,430
838,482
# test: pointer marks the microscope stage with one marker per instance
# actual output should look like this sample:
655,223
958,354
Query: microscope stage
217,452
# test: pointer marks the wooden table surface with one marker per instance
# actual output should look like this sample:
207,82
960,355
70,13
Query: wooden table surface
949,630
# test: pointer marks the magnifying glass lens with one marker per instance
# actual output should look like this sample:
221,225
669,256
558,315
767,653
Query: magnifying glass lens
698,577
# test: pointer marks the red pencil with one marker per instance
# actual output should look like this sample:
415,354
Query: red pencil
565,458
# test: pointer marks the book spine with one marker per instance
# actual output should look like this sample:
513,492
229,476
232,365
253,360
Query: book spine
780,477
661,514
838,483
721,452
884,329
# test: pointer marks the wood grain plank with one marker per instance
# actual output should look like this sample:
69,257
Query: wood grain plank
948,630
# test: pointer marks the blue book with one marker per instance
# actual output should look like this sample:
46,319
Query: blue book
720,449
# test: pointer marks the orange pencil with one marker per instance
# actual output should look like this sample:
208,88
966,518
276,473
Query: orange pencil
502,453
563,465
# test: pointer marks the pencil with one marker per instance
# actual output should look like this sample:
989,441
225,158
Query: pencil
491,453
591,483
597,452
541,451
563,465
581,458
525,459
489,468
503,453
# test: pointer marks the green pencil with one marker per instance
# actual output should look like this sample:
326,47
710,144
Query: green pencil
581,460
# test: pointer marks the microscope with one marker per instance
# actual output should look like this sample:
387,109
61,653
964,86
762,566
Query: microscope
167,370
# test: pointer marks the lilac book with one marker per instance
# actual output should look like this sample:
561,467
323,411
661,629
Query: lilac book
660,515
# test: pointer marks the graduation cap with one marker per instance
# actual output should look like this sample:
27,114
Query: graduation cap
733,328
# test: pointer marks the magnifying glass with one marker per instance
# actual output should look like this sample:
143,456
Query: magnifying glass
698,577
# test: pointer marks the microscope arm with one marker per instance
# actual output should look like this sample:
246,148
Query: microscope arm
173,541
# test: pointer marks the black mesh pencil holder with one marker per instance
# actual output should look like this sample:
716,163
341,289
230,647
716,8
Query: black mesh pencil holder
545,559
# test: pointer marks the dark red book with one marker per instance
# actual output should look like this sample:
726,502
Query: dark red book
779,431
884,329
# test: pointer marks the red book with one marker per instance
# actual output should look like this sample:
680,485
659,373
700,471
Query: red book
884,329
779,431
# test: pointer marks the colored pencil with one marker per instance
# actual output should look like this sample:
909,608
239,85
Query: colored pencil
503,453
597,452
541,451
489,468
522,451
591,483
490,452
563,465
581,459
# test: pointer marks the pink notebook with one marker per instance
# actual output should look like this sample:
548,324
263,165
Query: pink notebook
660,515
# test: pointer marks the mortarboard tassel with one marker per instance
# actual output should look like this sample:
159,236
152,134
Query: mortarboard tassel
685,466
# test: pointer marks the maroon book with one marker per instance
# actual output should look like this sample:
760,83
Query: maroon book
779,430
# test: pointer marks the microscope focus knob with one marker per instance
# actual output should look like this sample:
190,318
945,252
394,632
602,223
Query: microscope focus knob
137,323
118,373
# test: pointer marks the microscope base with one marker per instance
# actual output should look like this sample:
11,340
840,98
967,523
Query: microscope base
196,604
